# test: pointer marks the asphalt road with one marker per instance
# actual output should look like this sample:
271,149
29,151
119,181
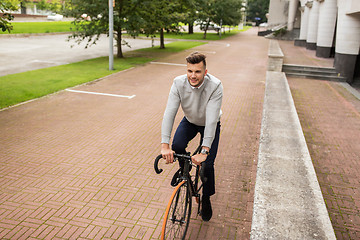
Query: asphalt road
20,54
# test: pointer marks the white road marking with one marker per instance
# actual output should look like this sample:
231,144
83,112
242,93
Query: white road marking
103,94
173,64
207,52
51,62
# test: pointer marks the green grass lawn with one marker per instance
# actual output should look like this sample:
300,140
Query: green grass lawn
20,87
40,27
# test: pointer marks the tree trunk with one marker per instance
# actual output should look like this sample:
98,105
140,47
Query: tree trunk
23,8
204,37
119,53
206,28
162,44
191,28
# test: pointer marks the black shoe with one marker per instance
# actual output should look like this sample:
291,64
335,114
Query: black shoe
176,178
206,210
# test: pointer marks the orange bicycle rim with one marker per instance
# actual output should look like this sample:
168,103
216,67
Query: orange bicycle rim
168,209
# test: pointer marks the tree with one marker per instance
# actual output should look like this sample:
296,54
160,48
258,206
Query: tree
189,14
206,13
132,16
228,12
219,12
92,20
158,15
5,7
144,16
53,6
257,10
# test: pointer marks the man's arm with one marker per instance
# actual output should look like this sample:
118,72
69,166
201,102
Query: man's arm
213,109
212,117
168,122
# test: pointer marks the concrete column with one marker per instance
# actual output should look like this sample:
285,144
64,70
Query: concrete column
326,29
304,25
313,26
347,40
292,12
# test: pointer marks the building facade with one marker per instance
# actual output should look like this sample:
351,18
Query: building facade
329,27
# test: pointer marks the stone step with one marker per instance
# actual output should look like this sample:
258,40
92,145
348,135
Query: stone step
291,67
317,76
322,73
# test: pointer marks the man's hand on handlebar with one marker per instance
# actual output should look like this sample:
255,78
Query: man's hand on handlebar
167,153
198,158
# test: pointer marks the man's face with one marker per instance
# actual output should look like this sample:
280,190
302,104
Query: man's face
196,73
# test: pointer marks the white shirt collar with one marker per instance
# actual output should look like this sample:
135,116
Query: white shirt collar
198,86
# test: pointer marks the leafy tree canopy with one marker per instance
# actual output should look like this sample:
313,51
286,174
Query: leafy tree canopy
92,19
257,10
227,12
132,16
5,17
158,15
53,5
147,16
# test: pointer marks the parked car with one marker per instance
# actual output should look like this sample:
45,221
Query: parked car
86,17
55,17
212,26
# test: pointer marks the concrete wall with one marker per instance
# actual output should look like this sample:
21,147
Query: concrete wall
354,7
278,12
275,56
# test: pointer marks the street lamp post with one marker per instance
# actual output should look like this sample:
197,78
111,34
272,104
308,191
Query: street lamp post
111,35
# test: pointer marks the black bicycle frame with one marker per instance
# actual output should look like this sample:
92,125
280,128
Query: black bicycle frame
193,186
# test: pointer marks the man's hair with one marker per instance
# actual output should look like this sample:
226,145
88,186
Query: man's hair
195,58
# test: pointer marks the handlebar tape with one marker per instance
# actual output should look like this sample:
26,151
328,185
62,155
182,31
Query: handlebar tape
156,162
159,170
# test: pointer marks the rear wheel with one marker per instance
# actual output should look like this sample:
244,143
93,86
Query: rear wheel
177,215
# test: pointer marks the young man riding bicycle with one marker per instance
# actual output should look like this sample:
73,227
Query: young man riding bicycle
200,96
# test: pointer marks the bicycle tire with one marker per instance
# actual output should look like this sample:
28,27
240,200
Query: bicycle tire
177,214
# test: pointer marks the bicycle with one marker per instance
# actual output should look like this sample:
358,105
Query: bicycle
178,210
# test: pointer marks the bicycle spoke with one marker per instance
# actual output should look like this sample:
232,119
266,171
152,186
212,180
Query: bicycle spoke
178,217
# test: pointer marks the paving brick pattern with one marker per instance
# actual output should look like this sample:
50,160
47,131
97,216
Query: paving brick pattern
330,118
80,166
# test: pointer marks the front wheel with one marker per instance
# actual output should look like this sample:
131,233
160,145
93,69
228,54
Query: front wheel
177,215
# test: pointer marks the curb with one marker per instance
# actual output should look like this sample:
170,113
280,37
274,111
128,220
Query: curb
16,35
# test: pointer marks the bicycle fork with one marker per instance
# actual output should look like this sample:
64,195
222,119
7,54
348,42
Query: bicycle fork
181,219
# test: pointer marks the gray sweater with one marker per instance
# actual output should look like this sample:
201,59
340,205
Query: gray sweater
201,106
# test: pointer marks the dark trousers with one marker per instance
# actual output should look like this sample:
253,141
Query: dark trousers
185,132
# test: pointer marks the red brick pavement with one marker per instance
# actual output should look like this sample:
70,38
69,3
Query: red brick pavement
80,166
330,118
